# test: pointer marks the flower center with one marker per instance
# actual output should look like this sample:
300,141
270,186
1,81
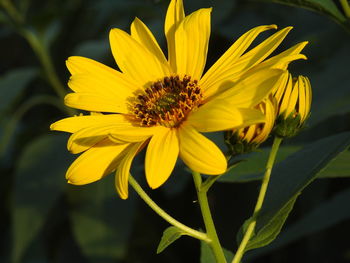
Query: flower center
167,102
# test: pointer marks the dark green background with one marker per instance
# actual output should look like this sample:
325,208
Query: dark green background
43,219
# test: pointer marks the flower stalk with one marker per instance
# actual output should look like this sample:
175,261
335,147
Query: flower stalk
346,7
207,218
39,48
250,229
189,231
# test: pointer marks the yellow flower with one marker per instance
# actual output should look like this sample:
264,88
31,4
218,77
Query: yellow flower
294,98
247,139
164,103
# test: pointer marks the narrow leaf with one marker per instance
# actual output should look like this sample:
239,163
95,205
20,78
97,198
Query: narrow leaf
340,167
170,235
253,164
288,179
325,215
325,7
252,167
207,255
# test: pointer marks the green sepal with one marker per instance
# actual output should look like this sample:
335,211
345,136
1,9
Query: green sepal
287,127
238,146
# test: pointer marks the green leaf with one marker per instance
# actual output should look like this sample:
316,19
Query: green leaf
288,179
12,85
207,255
325,215
253,165
101,221
270,231
252,168
325,7
39,182
170,234
339,167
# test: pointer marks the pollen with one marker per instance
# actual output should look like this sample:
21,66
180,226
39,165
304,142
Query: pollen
167,102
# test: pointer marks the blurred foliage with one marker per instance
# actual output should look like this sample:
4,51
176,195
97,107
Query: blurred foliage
45,220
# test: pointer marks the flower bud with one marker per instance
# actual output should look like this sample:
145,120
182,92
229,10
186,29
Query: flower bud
247,139
293,96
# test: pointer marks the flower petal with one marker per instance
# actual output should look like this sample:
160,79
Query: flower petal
293,99
95,163
199,153
85,66
123,170
76,123
308,96
161,156
135,60
287,91
174,16
191,43
95,102
107,89
263,50
232,55
86,138
141,33
301,99
217,115
244,63
133,133
253,89
282,60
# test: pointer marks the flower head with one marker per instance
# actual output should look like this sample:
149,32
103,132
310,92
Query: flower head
247,139
294,97
163,104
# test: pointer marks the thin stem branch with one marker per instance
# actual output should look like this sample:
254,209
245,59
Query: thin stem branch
43,54
346,7
190,231
39,48
250,229
207,218
12,11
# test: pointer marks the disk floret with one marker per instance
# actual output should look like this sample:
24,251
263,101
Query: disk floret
167,102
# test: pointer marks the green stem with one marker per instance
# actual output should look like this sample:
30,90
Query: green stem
190,231
346,7
250,229
40,50
43,54
207,218
12,11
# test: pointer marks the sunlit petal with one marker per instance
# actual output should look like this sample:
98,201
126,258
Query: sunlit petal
191,43
135,60
95,163
199,153
174,16
123,170
161,156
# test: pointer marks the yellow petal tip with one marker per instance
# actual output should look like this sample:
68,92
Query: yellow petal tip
154,185
52,127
